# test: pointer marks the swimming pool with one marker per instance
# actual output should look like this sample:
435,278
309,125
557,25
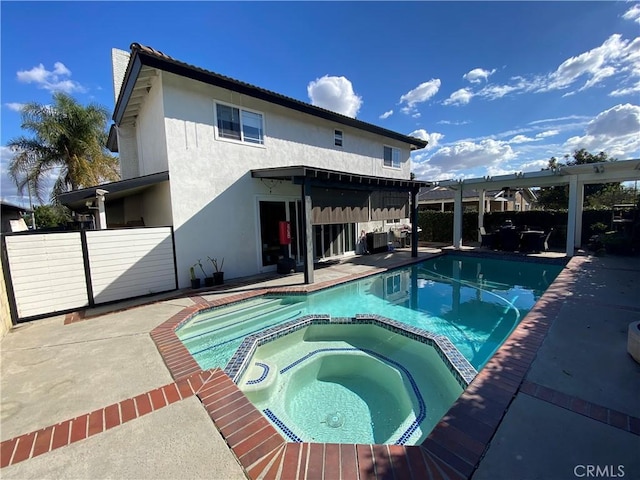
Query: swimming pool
476,302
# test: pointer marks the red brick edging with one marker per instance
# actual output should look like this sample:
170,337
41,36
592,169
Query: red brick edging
594,411
36,443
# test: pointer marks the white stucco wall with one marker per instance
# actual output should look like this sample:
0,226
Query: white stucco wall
128,151
213,197
152,144
157,205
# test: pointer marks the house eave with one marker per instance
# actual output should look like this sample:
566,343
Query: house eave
143,56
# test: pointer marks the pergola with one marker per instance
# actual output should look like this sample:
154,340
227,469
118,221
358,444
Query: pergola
319,208
576,176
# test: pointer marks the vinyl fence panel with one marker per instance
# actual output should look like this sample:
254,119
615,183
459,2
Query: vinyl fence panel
131,262
47,272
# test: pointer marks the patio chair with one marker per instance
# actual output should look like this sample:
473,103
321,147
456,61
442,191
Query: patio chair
509,239
486,238
543,246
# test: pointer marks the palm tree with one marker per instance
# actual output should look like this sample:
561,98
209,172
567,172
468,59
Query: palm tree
67,136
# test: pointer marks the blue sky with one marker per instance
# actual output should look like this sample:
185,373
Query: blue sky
496,87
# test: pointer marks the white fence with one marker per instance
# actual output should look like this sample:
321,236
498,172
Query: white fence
62,271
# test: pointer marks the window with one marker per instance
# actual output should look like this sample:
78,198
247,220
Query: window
391,157
393,284
337,138
238,124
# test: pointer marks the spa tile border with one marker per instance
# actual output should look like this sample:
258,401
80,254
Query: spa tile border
455,362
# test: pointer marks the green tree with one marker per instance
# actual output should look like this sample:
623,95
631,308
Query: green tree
68,138
51,215
554,198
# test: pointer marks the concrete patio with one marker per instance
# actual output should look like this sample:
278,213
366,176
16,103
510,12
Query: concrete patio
577,405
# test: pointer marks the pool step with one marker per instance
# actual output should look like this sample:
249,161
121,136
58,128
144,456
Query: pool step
241,326
220,318
258,380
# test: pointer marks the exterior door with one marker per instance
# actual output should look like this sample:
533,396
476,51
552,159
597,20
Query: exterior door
271,214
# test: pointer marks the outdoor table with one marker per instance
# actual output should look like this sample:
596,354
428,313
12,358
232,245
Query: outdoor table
530,240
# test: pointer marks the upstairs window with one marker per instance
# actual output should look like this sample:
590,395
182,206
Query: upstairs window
241,125
391,157
337,138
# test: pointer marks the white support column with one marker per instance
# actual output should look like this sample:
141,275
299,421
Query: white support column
457,219
481,201
307,233
101,218
442,206
579,209
571,217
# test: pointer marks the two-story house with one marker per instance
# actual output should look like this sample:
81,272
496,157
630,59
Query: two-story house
225,162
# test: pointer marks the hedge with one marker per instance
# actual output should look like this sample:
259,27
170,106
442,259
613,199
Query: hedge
438,226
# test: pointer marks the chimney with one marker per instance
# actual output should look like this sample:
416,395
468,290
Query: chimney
119,62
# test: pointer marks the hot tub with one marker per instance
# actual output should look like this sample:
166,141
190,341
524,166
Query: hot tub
360,380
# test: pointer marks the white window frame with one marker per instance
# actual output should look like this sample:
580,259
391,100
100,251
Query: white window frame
393,149
240,109
338,136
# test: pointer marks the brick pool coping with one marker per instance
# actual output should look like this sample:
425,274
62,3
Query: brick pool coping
452,450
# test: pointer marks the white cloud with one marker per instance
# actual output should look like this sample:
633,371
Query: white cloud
467,155
51,80
8,189
616,57
335,94
421,93
534,165
492,92
614,131
559,119
595,64
386,114
632,90
547,133
16,107
521,139
478,74
459,97
449,122
633,13
433,138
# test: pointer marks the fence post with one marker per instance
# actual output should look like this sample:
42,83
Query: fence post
11,296
87,267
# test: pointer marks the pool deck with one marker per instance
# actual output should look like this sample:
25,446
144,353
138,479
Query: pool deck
108,393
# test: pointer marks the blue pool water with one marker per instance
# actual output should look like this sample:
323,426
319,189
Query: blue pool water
475,302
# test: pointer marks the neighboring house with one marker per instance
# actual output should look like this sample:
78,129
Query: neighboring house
12,220
506,200
225,162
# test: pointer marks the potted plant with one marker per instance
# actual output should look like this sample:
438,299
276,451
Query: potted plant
208,280
218,274
195,281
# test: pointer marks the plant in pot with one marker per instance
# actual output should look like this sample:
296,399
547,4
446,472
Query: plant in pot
208,280
218,274
195,281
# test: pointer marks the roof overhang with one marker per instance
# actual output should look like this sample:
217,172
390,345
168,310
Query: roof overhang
10,207
144,61
76,199
603,172
338,179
